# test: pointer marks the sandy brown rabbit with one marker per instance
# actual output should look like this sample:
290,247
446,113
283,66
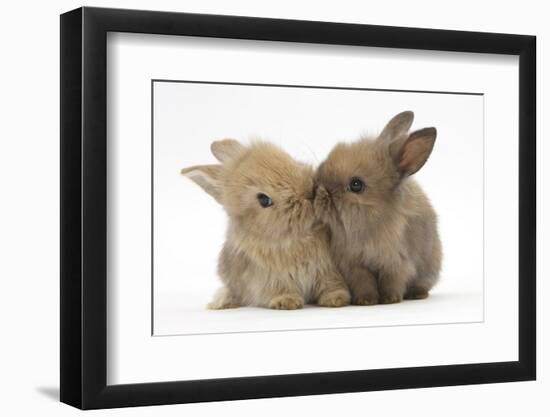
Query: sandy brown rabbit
384,230
276,254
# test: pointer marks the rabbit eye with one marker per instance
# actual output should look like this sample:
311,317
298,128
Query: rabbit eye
356,185
264,200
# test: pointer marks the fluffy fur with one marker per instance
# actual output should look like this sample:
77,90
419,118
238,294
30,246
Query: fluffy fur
276,256
384,239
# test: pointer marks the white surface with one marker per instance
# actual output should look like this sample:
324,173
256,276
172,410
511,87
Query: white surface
29,177
194,319
189,226
134,356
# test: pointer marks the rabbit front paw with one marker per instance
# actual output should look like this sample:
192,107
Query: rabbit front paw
366,299
390,297
286,302
335,298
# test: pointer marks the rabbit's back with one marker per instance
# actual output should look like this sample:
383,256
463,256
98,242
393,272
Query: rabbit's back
421,236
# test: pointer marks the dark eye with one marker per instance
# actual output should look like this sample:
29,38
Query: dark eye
356,185
264,200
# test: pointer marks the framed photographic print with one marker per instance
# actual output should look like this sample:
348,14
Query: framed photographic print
257,207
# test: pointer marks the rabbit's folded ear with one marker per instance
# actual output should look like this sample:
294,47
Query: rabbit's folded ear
399,125
207,177
411,153
226,149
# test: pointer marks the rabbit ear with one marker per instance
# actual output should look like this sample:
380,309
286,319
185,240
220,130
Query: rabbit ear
207,177
411,153
397,126
226,149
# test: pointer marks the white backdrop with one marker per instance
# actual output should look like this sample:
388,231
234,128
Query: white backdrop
29,177
189,226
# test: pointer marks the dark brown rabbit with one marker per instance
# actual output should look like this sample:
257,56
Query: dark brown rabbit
384,229
276,253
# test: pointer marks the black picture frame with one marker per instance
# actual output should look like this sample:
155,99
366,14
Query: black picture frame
84,207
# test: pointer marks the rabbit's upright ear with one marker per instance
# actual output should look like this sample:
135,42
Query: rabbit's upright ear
207,177
411,153
226,149
398,126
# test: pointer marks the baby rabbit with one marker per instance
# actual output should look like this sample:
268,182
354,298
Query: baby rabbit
276,254
384,230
